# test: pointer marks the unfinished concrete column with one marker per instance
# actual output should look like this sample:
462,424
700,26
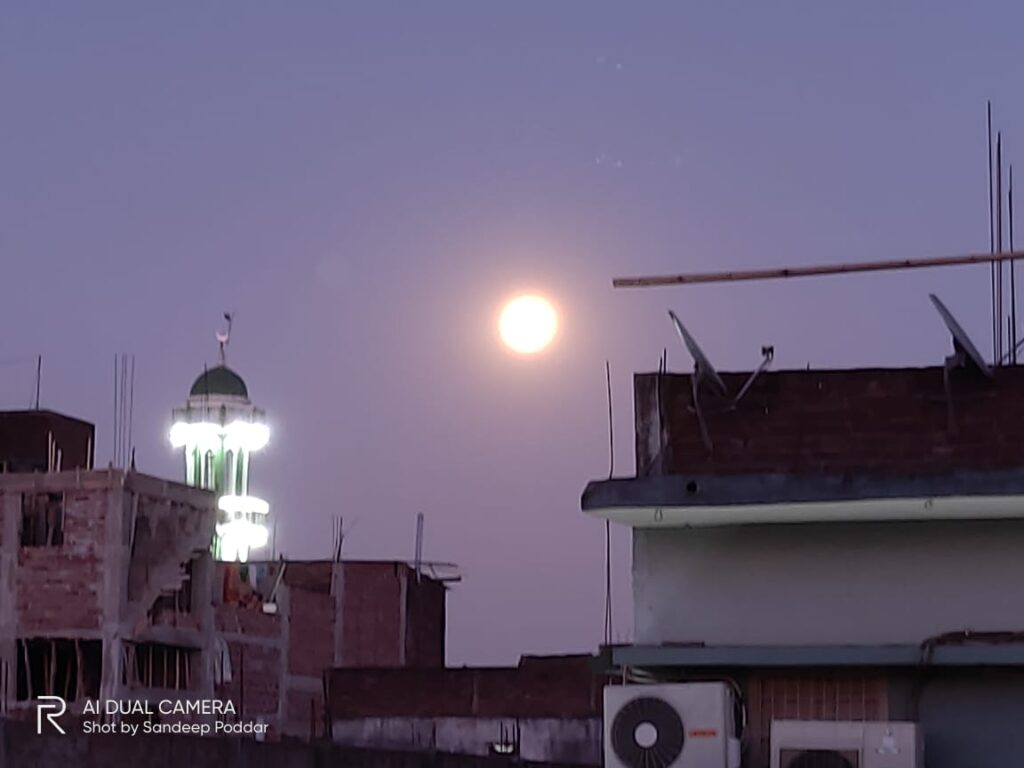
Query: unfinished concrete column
10,514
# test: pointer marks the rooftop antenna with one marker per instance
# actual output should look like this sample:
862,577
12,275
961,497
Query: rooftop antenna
339,537
999,246
1013,274
121,408
992,236
703,371
129,443
223,337
39,376
965,354
115,433
419,544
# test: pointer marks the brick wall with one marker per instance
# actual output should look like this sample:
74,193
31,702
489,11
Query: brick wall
20,745
425,622
233,619
24,440
379,602
309,637
372,604
313,576
855,696
311,632
256,673
93,582
256,649
872,420
58,587
551,688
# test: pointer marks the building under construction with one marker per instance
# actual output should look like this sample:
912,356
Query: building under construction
108,590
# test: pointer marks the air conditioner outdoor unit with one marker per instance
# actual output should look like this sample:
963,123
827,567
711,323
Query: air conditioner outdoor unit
801,744
682,725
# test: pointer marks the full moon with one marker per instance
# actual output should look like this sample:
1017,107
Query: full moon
528,324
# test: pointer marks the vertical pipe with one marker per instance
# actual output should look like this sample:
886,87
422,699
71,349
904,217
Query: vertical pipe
999,237
607,523
607,584
991,240
1013,272
611,423
39,376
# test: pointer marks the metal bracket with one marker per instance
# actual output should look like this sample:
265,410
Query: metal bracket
767,354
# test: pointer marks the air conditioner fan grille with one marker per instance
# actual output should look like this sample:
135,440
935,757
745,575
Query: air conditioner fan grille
667,725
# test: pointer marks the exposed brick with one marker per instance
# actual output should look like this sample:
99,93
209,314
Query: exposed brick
372,633
311,632
555,687
255,679
58,587
891,421
246,620
817,695
425,622
311,576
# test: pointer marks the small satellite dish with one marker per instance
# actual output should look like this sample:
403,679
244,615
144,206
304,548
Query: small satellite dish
703,367
963,347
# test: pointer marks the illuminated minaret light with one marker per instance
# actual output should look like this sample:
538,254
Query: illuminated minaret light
219,429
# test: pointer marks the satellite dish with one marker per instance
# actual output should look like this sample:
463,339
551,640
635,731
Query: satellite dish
703,366
962,345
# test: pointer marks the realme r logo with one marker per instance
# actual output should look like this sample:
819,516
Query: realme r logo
45,704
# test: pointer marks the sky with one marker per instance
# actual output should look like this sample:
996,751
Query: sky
364,185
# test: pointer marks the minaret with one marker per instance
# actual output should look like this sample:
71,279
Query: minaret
219,428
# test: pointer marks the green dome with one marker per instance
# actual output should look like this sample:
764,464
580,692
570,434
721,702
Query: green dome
219,381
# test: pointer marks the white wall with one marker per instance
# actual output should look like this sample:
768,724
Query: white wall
870,583
555,740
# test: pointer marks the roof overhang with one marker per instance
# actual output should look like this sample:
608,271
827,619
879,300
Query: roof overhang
722,500
796,656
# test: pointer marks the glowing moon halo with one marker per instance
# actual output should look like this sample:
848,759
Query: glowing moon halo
528,324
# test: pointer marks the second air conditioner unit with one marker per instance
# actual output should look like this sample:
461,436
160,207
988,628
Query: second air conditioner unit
678,725
800,744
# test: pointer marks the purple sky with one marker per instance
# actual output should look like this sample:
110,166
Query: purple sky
364,186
